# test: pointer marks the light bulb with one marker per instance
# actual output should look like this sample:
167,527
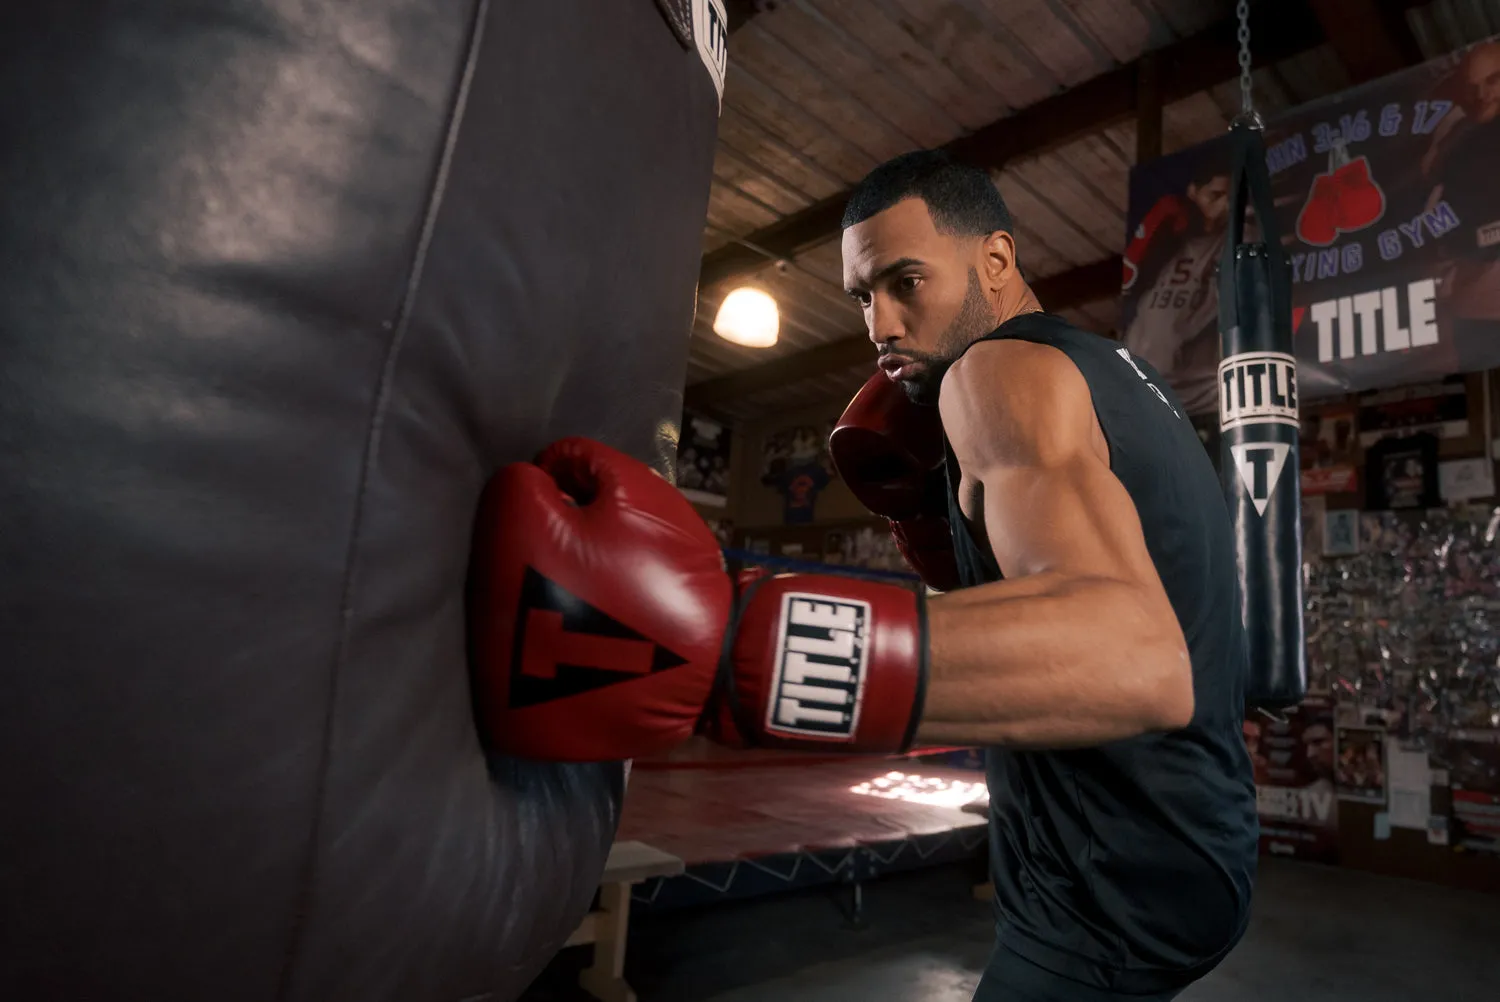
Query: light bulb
748,317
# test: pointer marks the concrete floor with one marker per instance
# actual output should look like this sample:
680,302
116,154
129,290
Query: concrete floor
1318,934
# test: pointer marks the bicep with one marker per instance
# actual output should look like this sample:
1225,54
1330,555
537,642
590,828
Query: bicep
1021,421
1071,518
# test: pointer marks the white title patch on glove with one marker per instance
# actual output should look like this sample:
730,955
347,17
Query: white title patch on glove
819,680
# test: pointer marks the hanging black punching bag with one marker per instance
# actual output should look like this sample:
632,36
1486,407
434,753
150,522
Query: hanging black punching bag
1259,430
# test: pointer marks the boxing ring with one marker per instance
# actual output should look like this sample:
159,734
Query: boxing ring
703,824
752,823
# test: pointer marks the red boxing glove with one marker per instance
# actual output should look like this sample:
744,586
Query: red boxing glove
599,605
1172,215
926,543
598,602
822,661
890,453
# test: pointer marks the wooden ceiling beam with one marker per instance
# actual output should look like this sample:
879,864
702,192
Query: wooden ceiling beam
740,11
1371,37
833,356
1184,68
1086,284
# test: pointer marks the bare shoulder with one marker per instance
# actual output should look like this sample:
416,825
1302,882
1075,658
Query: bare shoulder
1010,402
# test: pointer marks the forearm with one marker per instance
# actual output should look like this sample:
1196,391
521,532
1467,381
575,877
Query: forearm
1043,662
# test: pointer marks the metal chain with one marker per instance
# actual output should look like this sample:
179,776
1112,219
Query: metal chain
1248,113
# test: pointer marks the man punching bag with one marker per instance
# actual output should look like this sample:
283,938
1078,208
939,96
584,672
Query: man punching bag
285,283
1259,429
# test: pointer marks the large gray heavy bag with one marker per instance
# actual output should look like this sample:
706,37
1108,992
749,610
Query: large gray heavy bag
281,284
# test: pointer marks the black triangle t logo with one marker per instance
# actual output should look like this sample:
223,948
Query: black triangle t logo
564,646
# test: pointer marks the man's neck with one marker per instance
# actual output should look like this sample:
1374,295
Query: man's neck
1024,302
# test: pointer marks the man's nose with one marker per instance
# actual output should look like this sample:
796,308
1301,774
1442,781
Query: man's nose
884,323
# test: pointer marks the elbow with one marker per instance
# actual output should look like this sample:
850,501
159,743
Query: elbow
1163,670
1169,690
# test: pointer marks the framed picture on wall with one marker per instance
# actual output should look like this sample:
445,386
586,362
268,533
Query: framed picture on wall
703,460
1341,532
1402,473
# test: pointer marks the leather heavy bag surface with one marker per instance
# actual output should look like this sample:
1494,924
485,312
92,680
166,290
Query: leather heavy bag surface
283,283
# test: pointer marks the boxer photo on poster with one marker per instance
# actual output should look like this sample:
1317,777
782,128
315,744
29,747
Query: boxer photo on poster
1170,305
1361,765
1296,797
1458,167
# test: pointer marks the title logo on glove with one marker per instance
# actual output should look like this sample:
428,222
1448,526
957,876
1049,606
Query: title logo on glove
564,646
818,684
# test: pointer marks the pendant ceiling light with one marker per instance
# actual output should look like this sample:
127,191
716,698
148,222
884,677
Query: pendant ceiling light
748,317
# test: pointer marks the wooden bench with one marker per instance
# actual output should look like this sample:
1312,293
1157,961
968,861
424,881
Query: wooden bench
606,927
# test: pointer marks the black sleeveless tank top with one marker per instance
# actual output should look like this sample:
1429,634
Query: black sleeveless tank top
1129,866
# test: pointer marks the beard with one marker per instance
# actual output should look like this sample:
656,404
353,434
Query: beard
975,318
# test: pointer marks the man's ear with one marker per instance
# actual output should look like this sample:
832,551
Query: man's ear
999,255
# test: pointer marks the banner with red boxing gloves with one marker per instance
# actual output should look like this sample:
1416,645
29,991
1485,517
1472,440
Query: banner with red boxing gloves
1392,223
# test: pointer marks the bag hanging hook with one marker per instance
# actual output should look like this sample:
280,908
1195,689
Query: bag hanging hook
1248,117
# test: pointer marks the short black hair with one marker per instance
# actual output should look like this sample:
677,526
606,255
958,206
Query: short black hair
962,200
1207,168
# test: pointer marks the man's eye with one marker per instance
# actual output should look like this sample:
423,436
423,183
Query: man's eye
908,283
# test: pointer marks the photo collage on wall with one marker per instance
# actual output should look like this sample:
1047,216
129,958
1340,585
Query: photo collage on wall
1403,634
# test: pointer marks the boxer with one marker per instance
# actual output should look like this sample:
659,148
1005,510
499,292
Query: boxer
1173,257
1093,644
